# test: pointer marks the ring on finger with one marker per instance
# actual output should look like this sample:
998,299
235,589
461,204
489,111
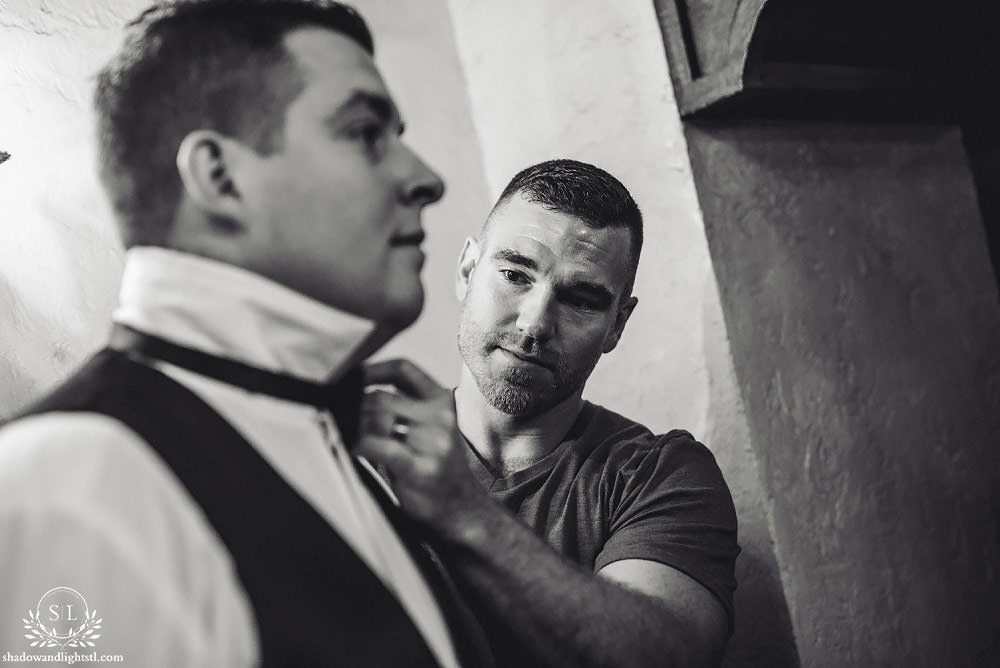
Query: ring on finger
400,429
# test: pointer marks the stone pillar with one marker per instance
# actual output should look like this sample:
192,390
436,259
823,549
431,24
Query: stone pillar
864,322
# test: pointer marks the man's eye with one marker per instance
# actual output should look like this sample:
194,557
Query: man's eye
369,134
513,276
583,303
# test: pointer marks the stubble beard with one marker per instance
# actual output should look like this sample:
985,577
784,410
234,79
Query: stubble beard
510,391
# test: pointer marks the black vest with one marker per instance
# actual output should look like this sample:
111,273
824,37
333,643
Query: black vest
315,601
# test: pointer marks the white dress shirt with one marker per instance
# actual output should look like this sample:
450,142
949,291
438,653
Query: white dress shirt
85,504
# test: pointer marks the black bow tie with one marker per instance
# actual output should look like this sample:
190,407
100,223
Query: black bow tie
342,398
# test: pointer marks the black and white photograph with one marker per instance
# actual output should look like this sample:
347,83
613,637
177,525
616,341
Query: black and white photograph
529,334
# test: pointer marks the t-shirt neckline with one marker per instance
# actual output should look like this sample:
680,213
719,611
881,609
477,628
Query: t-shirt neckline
490,478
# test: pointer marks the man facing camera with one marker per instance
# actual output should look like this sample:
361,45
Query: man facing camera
583,538
191,482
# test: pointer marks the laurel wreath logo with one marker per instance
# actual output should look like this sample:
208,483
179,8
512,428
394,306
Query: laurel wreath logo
44,637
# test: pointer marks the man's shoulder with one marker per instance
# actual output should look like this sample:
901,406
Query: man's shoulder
89,471
608,431
84,502
60,436
64,462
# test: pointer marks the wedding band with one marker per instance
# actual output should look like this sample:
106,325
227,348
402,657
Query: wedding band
400,429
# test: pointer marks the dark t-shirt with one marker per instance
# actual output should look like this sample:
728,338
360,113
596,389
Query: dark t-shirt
612,490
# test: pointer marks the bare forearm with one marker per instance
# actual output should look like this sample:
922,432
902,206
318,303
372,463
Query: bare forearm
560,613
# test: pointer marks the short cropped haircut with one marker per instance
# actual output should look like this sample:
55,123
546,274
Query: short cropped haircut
583,191
198,64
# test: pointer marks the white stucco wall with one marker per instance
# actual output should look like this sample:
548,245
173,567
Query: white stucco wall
59,258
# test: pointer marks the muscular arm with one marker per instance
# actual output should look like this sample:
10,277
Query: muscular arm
633,613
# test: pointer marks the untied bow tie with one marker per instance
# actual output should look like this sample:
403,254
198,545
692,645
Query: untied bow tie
342,398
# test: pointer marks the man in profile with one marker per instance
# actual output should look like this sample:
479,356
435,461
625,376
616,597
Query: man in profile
583,538
191,483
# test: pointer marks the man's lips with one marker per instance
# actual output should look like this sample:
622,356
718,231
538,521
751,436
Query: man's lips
531,359
411,239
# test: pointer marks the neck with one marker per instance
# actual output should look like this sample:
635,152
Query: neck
381,334
510,442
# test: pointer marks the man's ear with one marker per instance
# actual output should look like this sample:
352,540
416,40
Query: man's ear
621,317
467,261
204,162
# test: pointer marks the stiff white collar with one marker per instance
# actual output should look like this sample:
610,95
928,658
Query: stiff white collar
226,310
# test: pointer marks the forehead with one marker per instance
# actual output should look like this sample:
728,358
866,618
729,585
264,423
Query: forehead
557,241
332,65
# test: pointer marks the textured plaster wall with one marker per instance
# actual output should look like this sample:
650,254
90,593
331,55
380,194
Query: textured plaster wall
59,261
864,323
592,84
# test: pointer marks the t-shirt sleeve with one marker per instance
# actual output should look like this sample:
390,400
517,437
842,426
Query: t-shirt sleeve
669,503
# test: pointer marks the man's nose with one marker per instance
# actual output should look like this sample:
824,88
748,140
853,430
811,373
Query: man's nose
536,315
422,185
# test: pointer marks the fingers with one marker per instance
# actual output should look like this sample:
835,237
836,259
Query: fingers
377,415
427,464
379,409
384,451
408,465
405,376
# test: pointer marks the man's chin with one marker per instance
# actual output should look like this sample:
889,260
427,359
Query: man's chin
510,391
512,400
399,314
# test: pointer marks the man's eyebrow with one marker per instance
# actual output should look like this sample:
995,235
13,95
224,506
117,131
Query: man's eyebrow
514,257
378,104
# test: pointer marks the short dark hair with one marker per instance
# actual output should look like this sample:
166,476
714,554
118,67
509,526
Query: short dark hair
581,190
193,64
